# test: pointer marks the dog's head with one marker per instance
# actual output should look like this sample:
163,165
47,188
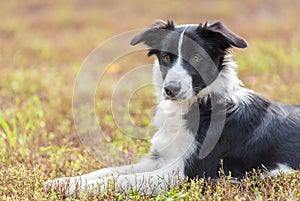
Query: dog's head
190,56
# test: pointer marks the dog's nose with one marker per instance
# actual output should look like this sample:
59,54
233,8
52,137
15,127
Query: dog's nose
172,89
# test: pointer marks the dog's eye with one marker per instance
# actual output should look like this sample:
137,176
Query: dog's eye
195,58
166,58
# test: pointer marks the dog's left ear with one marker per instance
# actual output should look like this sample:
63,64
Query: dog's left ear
219,28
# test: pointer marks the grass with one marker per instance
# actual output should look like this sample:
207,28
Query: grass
42,46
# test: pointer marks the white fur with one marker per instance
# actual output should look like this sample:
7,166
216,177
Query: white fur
172,140
281,168
227,82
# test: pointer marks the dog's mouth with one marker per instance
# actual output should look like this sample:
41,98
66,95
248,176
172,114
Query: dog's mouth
169,97
197,95
180,97
175,97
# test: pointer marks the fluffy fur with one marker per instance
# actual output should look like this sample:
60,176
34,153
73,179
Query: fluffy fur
204,116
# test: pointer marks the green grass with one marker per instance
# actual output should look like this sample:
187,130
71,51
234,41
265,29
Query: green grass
42,46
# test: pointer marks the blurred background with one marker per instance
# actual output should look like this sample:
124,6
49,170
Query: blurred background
44,43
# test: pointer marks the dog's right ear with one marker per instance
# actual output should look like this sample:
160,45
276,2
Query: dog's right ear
153,34
216,30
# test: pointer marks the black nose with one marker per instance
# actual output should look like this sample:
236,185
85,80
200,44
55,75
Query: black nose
172,89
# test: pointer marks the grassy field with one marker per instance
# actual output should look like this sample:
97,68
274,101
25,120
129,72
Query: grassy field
44,43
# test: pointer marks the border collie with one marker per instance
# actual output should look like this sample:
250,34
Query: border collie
205,119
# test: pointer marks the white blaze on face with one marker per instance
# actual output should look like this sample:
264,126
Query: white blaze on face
178,74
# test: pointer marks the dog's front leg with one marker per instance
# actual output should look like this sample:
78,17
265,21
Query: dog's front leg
69,184
147,183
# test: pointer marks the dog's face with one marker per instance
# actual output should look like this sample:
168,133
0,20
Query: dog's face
190,56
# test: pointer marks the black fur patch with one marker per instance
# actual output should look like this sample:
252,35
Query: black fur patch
257,134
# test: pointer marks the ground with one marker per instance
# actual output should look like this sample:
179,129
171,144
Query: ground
42,47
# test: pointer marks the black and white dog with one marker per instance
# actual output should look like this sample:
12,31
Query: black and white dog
205,119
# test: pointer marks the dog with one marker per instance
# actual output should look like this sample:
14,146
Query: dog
205,118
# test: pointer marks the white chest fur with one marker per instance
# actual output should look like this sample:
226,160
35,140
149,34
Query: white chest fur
172,140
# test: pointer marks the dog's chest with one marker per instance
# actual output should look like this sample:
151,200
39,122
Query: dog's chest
172,140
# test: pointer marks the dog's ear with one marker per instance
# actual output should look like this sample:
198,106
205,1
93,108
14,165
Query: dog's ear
232,39
153,34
